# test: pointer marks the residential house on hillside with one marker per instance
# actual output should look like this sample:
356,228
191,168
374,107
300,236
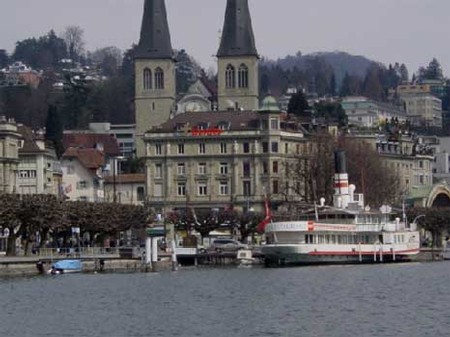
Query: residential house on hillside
83,174
18,74
125,189
365,112
39,170
423,102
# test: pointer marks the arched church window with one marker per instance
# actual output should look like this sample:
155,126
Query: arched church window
147,79
230,77
243,76
159,78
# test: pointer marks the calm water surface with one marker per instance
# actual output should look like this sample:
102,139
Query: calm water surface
379,300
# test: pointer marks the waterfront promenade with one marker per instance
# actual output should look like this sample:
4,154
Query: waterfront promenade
112,260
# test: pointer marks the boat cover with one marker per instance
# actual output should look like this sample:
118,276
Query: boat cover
67,265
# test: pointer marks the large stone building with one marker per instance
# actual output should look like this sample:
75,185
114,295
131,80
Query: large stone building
216,160
423,102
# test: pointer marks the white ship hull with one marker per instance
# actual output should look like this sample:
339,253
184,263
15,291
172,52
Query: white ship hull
297,254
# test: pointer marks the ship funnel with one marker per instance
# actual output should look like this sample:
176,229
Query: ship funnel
341,186
340,165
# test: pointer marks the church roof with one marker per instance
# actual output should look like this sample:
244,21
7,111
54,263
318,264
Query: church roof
155,36
237,35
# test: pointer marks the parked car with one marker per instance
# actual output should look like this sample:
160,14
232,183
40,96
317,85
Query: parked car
228,245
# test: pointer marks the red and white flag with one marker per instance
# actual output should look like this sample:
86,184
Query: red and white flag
268,216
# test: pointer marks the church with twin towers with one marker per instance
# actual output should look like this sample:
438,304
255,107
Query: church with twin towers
223,151
155,64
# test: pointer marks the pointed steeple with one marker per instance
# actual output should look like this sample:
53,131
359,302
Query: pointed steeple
155,36
237,34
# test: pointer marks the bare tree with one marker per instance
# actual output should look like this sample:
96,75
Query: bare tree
311,173
73,36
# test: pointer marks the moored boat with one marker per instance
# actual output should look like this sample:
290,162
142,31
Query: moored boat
245,257
66,266
347,232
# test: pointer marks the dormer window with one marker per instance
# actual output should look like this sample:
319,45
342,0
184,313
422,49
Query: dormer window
180,127
223,125
203,126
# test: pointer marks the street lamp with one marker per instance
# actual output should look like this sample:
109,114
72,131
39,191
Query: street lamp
114,169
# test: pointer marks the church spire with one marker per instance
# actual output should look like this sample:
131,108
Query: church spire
237,34
155,36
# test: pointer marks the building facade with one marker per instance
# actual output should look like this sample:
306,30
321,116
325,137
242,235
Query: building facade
365,112
125,189
83,174
219,160
39,170
422,101
9,155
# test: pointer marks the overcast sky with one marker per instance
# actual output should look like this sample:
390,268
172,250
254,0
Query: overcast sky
408,31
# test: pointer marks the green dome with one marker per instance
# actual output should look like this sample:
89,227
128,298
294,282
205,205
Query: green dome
269,104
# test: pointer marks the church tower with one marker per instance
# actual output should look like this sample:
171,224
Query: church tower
238,60
154,68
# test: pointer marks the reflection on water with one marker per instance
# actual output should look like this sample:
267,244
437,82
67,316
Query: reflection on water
379,300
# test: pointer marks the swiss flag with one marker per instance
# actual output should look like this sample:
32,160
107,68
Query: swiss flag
262,225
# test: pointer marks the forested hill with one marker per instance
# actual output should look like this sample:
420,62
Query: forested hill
313,72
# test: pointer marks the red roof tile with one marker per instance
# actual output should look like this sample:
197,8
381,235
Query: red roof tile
126,178
89,158
91,141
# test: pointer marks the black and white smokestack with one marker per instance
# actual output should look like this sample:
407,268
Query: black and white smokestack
339,162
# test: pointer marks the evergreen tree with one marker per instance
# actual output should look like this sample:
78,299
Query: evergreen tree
404,76
432,72
333,85
54,130
372,86
187,71
298,105
351,86
332,112
4,58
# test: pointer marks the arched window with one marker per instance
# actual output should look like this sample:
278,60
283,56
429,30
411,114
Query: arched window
243,76
159,78
147,79
230,77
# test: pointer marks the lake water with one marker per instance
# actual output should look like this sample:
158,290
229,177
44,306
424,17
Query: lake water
370,300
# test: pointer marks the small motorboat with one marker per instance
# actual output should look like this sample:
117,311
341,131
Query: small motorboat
65,267
245,257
